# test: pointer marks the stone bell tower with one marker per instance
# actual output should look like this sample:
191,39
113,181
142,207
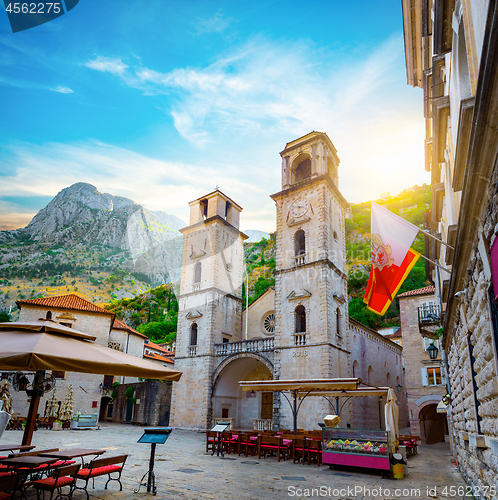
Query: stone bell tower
311,339
210,303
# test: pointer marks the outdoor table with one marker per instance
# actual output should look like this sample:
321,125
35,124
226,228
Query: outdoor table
27,462
24,466
12,447
74,453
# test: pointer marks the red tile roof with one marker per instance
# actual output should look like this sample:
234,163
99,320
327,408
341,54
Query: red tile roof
157,357
158,347
71,302
421,291
119,325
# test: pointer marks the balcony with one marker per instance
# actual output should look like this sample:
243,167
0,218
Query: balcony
192,350
429,320
196,287
300,260
253,345
300,338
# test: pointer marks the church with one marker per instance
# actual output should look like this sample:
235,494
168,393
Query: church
298,329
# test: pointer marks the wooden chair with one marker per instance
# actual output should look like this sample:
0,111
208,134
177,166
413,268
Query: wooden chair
299,449
102,467
315,451
271,444
234,442
8,485
64,476
211,441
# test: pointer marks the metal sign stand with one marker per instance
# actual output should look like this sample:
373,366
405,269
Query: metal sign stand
154,436
219,428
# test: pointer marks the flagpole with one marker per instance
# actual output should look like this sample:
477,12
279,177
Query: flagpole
421,230
432,262
437,239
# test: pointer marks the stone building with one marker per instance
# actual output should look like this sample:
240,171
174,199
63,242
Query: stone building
425,377
452,54
297,330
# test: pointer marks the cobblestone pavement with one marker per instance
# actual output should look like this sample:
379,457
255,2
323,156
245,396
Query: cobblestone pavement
185,471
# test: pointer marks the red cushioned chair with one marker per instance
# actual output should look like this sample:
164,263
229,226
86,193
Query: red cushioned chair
102,467
64,476
8,485
211,441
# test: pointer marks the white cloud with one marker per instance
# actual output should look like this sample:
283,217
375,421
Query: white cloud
113,65
158,185
266,90
215,24
63,90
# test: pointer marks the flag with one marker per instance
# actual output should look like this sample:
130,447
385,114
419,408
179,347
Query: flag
392,258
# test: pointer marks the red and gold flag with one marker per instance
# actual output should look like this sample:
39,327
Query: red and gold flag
392,258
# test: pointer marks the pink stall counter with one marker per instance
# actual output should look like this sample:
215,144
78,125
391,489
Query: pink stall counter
356,447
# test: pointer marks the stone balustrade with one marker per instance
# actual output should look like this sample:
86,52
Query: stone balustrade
192,350
299,260
262,424
253,345
300,338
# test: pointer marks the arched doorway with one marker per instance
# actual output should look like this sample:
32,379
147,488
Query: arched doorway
106,408
228,400
432,424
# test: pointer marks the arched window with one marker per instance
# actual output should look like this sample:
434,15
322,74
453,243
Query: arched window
397,382
303,170
356,369
193,334
338,322
48,315
299,243
300,313
388,379
370,375
197,272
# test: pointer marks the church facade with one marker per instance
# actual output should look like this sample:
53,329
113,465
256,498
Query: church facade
299,329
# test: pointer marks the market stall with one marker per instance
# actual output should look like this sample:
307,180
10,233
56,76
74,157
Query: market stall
343,446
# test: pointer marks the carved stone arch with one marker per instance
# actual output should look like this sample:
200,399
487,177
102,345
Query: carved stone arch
218,372
301,168
299,239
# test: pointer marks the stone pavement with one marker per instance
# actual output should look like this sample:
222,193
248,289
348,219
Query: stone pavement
185,471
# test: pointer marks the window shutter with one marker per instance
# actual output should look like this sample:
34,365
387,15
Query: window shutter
425,376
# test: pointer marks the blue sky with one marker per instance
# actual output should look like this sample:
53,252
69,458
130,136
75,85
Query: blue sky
161,101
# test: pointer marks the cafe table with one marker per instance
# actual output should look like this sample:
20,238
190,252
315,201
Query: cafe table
12,447
73,453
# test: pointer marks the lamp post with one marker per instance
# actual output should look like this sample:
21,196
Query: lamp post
432,351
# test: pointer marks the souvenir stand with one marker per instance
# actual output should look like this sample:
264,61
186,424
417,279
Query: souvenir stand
340,446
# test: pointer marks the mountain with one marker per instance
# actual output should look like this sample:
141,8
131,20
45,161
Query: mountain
255,235
83,231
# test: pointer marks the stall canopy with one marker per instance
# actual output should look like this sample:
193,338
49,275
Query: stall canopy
327,388
301,389
46,345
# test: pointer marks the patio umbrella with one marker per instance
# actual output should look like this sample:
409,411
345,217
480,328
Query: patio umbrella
391,413
46,345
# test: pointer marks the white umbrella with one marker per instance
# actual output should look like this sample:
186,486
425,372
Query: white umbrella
5,396
391,413
53,405
66,412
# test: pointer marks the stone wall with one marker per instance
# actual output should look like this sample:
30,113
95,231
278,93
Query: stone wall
153,403
377,361
476,397
417,360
